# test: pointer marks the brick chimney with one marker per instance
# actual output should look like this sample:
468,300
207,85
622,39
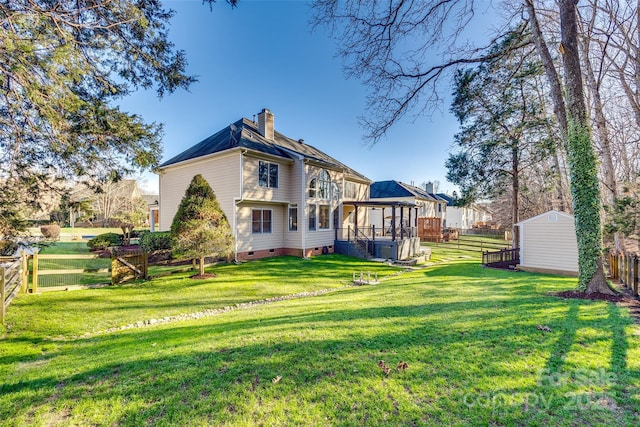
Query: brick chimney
265,123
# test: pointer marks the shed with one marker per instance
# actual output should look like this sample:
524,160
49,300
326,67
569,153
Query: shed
548,244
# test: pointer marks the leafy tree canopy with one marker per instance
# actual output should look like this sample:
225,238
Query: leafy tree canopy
503,125
62,66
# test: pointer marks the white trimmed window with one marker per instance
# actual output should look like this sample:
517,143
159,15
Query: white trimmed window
350,190
312,217
267,174
293,218
323,217
312,188
260,221
324,185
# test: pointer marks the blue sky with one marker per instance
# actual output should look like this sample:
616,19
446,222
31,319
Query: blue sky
264,54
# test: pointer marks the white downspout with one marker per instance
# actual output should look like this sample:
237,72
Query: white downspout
304,208
235,207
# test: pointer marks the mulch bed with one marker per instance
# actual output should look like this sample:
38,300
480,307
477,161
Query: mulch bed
594,297
625,299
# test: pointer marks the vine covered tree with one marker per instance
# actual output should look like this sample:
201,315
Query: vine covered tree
200,227
572,114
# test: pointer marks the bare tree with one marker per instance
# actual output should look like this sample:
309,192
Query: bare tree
402,51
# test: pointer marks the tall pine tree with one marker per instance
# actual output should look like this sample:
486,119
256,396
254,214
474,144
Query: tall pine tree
200,227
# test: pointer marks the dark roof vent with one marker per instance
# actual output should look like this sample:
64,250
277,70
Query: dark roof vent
301,141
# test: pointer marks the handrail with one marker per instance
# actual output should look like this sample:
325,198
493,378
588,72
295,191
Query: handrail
364,239
503,256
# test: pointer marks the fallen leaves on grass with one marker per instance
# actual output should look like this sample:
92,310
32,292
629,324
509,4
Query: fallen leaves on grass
401,366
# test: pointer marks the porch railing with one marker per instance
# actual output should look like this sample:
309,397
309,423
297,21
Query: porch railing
504,258
372,232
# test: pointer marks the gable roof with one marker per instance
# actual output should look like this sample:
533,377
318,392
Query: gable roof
564,214
447,198
245,135
391,188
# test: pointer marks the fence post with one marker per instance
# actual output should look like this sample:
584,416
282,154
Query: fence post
634,272
35,273
24,272
619,265
114,267
611,273
145,266
2,296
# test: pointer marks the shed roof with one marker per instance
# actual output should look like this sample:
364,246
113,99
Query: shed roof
244,134
533,218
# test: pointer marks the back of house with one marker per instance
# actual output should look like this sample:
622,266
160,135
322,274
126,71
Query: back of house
280,195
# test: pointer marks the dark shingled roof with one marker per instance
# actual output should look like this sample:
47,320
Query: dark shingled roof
446,198
246,135
387,189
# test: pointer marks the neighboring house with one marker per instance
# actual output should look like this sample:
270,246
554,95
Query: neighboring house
427,206
153,210
423,220
464,217
280,195
548,244
114,200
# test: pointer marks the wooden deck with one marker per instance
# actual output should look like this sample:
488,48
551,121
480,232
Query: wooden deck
505,258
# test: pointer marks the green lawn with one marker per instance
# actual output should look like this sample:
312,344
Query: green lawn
468,335
58,248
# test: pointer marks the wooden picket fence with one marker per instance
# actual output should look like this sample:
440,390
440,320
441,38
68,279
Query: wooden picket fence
74,271
625,269
13,279
36,273
129,266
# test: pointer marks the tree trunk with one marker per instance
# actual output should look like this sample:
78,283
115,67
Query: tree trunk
582,161
549,69
515,187
552,77
201,266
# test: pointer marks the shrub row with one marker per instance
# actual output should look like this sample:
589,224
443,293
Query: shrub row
155,241
148,241
103,241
